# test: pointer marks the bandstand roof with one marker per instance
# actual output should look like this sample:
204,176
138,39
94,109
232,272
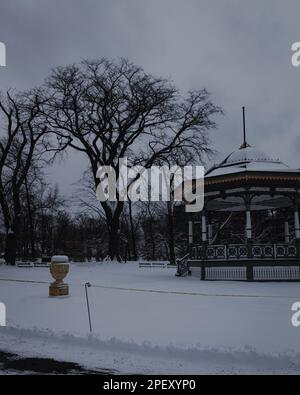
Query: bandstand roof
272,183
248,159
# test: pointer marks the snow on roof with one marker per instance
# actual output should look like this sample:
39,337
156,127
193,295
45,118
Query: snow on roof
249,154
248,159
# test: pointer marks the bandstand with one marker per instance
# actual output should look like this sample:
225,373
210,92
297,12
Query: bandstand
249,228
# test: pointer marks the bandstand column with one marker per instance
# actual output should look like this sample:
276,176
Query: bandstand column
297,223
248,224
204,230
190,232
210,234
249,242
297,229
286,232
204,245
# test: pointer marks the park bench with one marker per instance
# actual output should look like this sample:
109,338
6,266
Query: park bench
41,264
24,264
156,264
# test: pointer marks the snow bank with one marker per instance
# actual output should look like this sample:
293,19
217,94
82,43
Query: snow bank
129,357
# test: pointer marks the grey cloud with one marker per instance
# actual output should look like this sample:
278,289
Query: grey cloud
238,49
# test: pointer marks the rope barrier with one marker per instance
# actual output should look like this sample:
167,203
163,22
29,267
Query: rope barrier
185,293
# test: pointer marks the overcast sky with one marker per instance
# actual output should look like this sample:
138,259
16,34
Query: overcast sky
240,50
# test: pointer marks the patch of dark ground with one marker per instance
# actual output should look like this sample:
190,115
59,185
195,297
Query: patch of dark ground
16,364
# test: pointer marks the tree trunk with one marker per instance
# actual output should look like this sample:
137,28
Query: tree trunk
13,232
153,247
113,224
133,240
11,248
31,221
114,240
171,233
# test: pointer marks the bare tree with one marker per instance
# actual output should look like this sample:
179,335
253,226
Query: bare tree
33,182
110,110
23,140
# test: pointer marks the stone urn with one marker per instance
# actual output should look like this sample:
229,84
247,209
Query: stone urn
59,268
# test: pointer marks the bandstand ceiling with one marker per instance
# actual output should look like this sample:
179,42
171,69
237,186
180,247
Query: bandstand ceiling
234,203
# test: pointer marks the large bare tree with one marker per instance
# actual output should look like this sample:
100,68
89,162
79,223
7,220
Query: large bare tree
110,110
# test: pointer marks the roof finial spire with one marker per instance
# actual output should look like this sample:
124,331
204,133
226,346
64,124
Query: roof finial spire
245,144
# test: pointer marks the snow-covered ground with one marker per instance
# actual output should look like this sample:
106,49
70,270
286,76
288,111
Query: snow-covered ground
146,320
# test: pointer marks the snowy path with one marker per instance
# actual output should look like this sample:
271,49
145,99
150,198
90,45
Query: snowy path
147,320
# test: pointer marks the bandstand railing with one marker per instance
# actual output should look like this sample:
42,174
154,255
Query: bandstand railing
242,262
232,252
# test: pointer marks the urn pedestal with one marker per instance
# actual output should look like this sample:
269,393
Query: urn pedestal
59,268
